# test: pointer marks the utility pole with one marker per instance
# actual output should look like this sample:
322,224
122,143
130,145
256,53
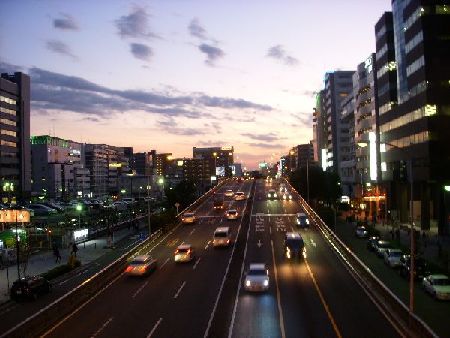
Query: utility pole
412,244
149,214
307,180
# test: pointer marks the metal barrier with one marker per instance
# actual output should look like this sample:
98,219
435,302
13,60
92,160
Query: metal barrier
408,323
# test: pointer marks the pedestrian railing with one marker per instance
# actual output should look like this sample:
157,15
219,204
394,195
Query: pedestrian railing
409,324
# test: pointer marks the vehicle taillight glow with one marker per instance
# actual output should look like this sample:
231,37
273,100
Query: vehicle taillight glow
129,268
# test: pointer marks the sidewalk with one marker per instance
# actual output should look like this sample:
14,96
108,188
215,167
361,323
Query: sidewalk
44,261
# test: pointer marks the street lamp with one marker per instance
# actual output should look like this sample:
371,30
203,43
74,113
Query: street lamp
411,211
149,212
79,208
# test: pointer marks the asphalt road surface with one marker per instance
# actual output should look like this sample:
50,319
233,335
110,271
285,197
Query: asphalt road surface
314,297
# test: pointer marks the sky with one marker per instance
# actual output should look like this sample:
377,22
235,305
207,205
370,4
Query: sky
173,74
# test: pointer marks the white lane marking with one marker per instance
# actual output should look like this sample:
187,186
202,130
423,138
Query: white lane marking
313,243
259,244
192,231
207,244
102,327
233,316
196,263
226,272
75,276
140,289
165,262
154,328
81,306
179,290
280,310
270,229
269,214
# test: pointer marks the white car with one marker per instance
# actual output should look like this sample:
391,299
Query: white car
239,196
381,246
392,257
188,217
184,253
257,278
361,232
222,237
231,214
438,286
141,265
229,193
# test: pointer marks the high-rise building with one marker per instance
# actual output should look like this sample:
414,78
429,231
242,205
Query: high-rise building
347,161
57,168
320,133
15,156
416,131
220,159
143,163
338,85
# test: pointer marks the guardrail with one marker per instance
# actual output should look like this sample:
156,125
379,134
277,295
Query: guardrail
43,320
409,323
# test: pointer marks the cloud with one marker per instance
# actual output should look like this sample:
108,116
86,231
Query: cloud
135,25
141,51
269,137
60,47
266,145
278,53
305,120
55,91
212,53
65,22
196,30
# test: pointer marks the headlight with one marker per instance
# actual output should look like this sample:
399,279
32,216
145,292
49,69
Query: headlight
290,197
266,282
274,195
268,195
247,283
288,254
307,221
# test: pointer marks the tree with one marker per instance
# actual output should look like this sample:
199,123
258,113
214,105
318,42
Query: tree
184,193
323,185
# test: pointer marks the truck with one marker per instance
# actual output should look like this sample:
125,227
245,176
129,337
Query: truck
294,246
218,202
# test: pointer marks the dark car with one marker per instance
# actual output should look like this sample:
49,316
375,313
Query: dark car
371,243
29,288
420,267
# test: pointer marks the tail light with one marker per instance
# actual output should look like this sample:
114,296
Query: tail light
228,241
128,269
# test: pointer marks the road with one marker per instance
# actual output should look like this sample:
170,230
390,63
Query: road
316,297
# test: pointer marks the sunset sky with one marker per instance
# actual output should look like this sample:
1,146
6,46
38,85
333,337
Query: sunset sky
170,75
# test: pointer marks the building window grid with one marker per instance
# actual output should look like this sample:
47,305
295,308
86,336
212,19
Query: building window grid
8,122
406,141
418,38
408,118
415,66
8,111
8,132
7,100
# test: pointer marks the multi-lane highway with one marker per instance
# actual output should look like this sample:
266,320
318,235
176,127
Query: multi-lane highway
315,297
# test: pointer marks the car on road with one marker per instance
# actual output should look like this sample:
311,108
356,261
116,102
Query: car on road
231,214
282,188
229,193
239,196
392,257
381,246
218,202
438,286
184,253
420,267
222,237
371,243
141,266
30,287
257,277
286,196
294,246
188,218
272,194
302,220
361,231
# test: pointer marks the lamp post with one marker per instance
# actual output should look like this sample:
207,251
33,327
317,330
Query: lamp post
411,215
149,212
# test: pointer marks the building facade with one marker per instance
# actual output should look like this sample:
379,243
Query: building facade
347,162
220,159
15,155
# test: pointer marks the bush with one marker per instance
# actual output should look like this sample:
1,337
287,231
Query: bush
60,270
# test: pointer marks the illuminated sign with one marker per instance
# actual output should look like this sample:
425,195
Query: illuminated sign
226,148
80,234
115,165
11,216
262,165
324,159
75,152
180,163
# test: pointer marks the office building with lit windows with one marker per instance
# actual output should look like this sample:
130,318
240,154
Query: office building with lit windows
416,128
220,159
15,158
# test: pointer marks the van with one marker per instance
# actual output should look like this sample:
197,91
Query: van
222,237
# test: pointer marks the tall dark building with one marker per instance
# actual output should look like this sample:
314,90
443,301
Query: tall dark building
219,157
417,129
15,154
142,164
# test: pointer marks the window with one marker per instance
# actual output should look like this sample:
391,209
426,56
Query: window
8,143
415,66
8,122
418,38
7,100
8,132
442,9
7,111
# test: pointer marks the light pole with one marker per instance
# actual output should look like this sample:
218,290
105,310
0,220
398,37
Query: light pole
149,212
411,215
79,208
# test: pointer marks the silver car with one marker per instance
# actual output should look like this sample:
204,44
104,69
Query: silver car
141,265
438,286
232,214
257,277
392,257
